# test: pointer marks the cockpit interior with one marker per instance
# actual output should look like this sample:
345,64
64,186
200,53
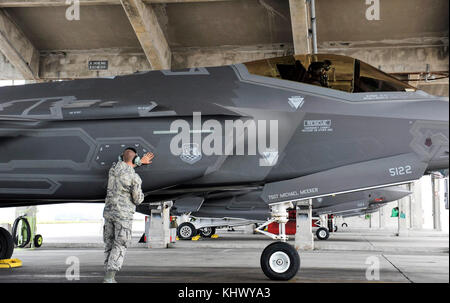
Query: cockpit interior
331,71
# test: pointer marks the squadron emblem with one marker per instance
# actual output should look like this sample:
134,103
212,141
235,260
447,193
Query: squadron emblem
296,102
190,153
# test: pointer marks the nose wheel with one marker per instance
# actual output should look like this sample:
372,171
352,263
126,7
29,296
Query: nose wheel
280,260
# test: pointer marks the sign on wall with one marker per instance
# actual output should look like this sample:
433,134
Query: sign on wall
98,65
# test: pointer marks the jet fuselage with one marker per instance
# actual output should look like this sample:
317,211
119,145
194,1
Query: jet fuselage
58,140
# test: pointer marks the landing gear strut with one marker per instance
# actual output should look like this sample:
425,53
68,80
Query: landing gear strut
279,260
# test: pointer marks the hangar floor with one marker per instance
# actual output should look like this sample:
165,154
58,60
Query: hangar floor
234,257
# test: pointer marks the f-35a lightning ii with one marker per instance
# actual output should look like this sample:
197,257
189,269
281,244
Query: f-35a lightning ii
295,127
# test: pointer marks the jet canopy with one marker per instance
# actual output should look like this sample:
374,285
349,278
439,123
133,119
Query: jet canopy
332,71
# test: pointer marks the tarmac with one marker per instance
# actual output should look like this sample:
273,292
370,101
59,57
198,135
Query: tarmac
363,256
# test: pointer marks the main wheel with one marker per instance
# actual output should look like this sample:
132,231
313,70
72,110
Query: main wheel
186,231
38,241
280,261
322,233
335,228
6,244
207,232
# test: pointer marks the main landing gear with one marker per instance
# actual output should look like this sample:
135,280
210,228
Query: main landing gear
322,233
279,260
186,231
6,244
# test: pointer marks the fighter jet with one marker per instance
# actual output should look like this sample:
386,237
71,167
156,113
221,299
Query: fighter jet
296,127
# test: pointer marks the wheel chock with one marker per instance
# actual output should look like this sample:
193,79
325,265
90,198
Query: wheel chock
10,263
177,238
215,236
196,238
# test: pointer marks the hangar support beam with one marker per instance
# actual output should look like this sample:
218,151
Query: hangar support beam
17,49
40,3
145,23
399,59
303,237
72,64
8,71
300,26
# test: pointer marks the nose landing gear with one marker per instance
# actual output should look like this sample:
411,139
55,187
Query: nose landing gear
279,260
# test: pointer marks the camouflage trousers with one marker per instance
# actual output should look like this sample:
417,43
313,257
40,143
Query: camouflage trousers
116,236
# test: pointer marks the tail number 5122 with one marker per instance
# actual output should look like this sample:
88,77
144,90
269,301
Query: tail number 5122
401,170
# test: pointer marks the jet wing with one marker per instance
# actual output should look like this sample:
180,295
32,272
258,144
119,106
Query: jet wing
355,177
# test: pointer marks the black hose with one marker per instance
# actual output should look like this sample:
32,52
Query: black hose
14,232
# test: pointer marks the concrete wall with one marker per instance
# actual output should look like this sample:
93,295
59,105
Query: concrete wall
401,22
408,35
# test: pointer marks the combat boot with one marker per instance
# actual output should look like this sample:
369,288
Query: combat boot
110,277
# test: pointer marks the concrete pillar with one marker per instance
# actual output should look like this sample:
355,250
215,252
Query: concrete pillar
436,207
158,235
416,206
6,226
404,213
382,217
303,237
323,220
375,220
300,26
249,229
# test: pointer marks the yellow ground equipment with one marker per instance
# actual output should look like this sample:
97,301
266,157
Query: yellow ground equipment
10,263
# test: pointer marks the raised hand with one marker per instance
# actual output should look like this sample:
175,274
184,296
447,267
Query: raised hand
147,158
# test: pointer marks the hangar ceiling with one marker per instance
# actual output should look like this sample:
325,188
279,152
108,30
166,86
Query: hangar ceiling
38,42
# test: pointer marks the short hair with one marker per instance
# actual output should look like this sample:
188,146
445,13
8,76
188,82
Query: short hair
128,155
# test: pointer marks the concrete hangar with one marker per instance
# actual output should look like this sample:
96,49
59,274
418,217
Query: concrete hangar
386,220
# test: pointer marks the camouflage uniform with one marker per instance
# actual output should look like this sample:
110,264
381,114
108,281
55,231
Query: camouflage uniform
123,195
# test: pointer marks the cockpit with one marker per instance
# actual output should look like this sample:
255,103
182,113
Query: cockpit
331,71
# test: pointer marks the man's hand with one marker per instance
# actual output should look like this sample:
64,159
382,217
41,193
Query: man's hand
147,158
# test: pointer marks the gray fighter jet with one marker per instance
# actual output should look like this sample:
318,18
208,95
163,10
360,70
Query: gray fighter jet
295,127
